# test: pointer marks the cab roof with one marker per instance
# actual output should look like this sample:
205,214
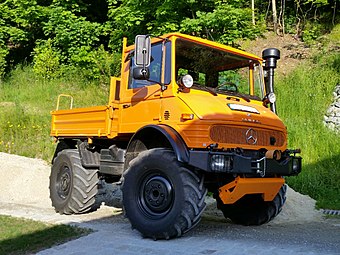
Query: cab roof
216,45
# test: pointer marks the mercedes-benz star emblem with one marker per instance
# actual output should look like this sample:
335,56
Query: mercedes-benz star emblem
251,136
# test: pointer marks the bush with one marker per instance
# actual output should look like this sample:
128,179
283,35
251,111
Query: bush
311,32
46,62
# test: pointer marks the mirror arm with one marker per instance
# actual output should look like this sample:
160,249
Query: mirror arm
144,51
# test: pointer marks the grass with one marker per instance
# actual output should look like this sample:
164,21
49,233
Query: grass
304,97
22,236
332,216
25,104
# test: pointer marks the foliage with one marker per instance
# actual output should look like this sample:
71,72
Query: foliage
46,62
22,236
217,20
225,24
105,64
20,26
50,33
3,63
75,29
74,37
311,32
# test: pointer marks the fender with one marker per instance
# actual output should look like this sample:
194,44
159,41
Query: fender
63,144
169,136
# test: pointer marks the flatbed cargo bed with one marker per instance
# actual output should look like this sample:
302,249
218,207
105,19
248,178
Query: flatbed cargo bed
96,121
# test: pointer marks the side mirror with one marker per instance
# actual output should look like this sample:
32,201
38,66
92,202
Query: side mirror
141,73
142,50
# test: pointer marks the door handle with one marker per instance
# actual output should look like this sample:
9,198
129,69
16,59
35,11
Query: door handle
126,106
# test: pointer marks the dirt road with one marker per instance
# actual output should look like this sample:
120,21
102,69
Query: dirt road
299,229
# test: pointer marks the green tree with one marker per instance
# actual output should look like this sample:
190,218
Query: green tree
73,35
20,26
226,23
77,28
219,20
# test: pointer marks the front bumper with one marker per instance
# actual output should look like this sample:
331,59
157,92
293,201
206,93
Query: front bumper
230,162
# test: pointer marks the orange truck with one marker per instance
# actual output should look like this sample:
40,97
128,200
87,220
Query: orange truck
187,116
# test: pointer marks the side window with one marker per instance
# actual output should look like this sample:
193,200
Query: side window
155,67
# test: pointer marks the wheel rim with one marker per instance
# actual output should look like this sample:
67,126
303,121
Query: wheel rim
156,195
63,184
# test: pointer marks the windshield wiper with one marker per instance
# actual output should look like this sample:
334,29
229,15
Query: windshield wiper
228,92
233,93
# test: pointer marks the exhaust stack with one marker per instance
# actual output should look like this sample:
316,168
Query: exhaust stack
270,56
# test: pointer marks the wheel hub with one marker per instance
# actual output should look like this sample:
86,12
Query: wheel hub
157,194
64,182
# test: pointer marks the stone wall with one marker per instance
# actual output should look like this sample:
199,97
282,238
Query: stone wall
332,117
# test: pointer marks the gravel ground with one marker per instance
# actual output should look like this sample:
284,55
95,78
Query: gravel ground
31,189
299,228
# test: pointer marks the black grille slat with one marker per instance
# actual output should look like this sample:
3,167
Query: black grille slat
237,135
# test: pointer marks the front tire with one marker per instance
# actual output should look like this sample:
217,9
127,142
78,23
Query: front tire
73,188
162,198
253,210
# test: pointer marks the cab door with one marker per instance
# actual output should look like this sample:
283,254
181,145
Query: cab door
141,99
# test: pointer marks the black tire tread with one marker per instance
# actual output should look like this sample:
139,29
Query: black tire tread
194,192
82,198
261,213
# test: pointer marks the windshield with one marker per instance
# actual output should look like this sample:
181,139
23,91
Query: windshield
219,71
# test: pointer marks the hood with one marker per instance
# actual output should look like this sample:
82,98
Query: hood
230,108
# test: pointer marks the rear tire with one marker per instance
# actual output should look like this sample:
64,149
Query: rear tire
253,210
72,187
162,198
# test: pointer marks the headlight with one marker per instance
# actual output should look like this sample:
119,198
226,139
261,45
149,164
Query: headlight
296,166
187,81
269,98
220,163
272,97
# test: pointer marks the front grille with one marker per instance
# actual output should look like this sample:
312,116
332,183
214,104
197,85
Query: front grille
238,135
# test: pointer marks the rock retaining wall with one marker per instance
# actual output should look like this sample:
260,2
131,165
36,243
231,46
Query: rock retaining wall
332,117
